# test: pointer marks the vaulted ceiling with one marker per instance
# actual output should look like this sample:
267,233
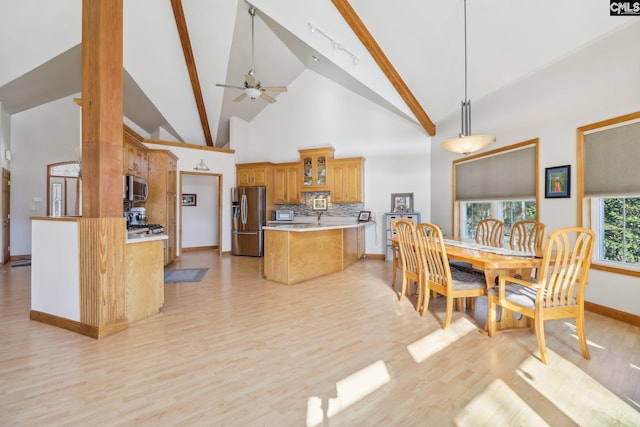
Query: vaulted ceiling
422,41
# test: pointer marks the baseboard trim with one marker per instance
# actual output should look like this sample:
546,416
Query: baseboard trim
77,327
199,248
612,313
374,256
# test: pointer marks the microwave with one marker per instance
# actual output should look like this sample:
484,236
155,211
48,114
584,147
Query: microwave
284,215
134,189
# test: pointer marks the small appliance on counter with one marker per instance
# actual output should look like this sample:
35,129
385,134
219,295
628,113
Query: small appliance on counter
137,216
284,215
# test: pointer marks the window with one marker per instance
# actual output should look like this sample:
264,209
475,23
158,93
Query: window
609,191
617,225
499,184
508,211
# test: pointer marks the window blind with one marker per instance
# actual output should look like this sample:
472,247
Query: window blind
508,175
612,161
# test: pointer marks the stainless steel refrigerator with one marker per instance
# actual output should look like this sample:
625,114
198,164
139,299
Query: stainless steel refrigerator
249,205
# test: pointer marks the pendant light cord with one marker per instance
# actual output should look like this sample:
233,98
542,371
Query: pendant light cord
465,50
252,12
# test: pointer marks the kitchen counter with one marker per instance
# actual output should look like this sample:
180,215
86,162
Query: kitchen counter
143,237
299,251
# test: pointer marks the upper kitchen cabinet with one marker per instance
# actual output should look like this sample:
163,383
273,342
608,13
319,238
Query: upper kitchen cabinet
315,168
286,183
135,159
253,174
347,180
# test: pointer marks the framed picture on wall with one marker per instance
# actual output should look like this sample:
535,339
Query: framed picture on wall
557,182
402,202
189,200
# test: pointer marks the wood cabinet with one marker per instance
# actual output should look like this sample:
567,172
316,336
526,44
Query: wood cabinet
253,174
347,180
286,188
161,203
144,279
315,168
135,159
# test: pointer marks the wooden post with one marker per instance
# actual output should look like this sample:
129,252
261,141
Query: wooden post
102,228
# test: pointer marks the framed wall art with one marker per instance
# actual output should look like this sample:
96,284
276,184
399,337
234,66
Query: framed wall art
319,204
402,202
557,182
189,200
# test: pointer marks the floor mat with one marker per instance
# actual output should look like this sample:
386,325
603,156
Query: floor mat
184,275
21,263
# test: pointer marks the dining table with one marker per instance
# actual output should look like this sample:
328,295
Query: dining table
494,261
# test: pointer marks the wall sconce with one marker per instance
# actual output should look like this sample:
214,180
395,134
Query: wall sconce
201,166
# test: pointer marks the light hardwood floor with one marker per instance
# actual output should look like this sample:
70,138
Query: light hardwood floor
237,350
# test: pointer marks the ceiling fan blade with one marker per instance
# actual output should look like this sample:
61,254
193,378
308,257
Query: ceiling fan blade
251,80
267,98
233,87
274,88
240,97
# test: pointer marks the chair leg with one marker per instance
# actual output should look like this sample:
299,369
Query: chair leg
393,275
542,346
403,288
425,303
419,302
581,335
449,313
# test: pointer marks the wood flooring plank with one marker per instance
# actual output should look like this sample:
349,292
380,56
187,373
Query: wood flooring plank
238,350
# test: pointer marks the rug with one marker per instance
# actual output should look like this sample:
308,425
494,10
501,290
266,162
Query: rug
21,263
184,275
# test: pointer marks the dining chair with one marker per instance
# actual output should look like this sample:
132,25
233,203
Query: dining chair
395,253
439,277
527,232
490,231
409,254
559,291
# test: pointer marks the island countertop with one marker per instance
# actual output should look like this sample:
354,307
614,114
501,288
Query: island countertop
314,225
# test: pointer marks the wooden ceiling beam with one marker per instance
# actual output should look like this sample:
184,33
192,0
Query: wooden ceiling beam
383,62
181,23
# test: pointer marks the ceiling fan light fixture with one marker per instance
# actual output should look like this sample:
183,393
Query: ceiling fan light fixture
466,143
252,92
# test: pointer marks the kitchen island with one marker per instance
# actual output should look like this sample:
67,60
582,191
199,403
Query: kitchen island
299,251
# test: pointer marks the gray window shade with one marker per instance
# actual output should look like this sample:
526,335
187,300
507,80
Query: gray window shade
509,175
612,161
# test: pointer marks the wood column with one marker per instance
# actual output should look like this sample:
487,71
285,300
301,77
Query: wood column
102,228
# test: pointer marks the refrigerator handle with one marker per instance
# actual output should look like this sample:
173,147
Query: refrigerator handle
243,209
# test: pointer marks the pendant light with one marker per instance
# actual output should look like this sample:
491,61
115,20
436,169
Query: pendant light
466,143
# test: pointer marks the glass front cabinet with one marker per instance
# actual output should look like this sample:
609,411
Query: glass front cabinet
315,171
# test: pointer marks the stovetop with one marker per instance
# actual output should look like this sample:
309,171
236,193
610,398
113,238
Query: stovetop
146,228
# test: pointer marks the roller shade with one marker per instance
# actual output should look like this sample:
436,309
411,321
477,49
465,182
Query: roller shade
612,161
504,176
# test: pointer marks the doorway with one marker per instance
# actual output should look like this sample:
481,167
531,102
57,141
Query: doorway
200,211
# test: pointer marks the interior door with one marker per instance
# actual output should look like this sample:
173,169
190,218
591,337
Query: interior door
6,208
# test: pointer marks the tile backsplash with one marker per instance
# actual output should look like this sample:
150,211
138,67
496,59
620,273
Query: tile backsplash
333,209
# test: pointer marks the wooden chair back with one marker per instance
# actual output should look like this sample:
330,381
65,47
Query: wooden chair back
490,231
527,233
409,252
565,267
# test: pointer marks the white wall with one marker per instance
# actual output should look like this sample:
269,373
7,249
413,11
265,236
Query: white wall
597,83
316,112
49,133
200,223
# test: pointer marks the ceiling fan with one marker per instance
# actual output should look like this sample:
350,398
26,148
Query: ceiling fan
252,88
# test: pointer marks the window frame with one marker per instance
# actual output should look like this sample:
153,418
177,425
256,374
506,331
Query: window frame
587,210
456,204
